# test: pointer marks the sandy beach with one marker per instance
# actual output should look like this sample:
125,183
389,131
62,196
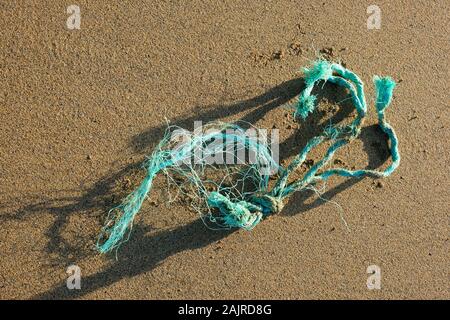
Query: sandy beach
81,109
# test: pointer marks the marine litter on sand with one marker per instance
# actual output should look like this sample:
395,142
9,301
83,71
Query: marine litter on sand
240,196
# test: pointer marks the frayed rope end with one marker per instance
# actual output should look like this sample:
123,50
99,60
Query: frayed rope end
305,106
320,70
384,87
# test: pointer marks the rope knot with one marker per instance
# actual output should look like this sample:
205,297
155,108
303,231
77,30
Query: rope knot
240,214
268,204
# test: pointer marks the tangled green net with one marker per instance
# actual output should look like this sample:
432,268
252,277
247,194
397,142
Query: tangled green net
239,196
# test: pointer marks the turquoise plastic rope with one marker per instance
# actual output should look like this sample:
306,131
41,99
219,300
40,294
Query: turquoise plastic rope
247,211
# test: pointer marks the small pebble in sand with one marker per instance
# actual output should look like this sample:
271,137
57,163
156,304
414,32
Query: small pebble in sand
295,48
154,203
127,183
327,51
278,55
